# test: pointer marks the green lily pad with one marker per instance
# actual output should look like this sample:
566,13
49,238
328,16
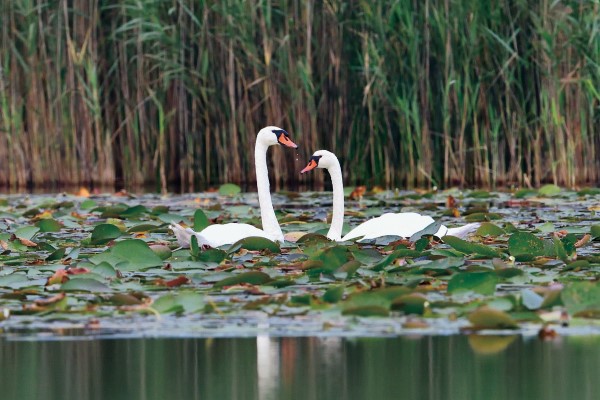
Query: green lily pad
489,229
129,255
252,277
333,294
27,232
549,190
104,233
200,220
581,296
595,231
525,246
479,282
470,248
49,225
490,318
229,189
178,303
255,243
84,285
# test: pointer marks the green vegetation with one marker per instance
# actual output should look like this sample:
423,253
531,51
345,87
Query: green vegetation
112,258
406,92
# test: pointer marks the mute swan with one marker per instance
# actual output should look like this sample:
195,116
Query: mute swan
397,224
219,235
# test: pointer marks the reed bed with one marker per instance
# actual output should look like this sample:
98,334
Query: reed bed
406,92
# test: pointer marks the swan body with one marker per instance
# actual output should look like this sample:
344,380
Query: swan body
219,235
389,224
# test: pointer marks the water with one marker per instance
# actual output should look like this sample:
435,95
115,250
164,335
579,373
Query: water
430,367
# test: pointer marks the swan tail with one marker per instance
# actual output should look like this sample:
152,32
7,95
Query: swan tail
183,235
463,231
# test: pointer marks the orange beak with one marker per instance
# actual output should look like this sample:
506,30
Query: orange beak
312,164
284,140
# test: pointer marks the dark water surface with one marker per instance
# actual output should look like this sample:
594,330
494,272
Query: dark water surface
435,367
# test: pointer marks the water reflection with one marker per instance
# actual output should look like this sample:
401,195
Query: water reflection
300,368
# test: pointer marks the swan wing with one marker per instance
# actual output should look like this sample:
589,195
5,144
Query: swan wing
397,224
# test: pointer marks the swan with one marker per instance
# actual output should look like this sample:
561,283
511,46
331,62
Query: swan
222,234
396,224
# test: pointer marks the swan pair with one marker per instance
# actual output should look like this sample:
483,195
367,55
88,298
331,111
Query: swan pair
401,224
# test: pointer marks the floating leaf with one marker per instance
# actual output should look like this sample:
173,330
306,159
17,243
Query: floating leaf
595,231
332,258
200,220
481,217
489,229
229,189
525,246
133,212
549,190
168,304
490,318
430,229
161,250
412,303
104,233
479,282
523,193
49,225
255,243
252,277
531,300
470,248
581,296
57,254
129,255
333,294
27,232
84,285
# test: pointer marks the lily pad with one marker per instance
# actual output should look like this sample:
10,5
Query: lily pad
104,233
200,220
489,229
84,285
255,243
129,255
479,282
549,190
525,246
49,225
490,318
229,189
252,277
581,296
470,248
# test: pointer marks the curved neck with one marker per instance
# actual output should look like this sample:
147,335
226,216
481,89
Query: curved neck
337,220
267,213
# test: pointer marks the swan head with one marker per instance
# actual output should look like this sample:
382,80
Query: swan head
272,135
321,159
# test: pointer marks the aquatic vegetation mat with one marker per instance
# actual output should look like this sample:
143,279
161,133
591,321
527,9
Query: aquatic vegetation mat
109,263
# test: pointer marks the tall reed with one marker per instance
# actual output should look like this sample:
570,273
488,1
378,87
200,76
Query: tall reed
415,93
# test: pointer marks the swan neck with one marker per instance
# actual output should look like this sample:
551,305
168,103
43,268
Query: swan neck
337,220
267,213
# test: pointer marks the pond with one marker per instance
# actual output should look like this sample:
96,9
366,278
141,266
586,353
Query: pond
418,367
97,299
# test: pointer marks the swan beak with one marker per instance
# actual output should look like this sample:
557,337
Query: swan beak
312,164
283,139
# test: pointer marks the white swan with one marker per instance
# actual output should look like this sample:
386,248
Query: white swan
219,235
397,224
